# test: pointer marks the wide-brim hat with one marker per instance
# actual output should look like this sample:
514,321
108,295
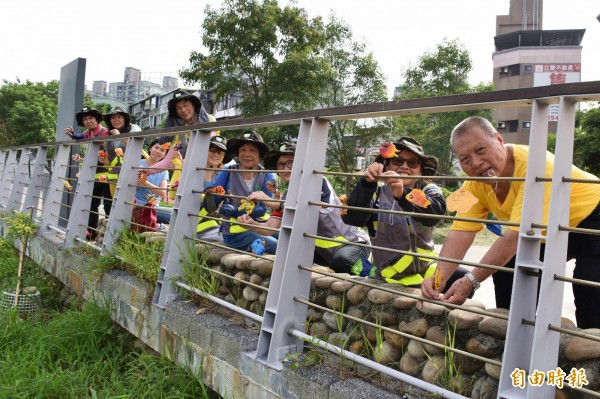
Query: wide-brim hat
114,111
85,111
249,136
181,97
429,164
220,143
271,157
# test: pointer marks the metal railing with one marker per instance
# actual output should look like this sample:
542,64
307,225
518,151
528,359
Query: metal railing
533,332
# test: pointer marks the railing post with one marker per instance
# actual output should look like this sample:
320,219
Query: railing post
56,188
3,155
20,181
38,175
182,224
125,192
282,313
78,217
8,177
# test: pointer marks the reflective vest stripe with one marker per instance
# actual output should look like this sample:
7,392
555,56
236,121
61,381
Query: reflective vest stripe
402,264
320,243
207,224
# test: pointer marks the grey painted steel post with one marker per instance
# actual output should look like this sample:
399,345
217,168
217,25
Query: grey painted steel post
56,188
3,155
78,218
38,176
182,224
8,178
282,313
20,182
125,192
546,343
519,336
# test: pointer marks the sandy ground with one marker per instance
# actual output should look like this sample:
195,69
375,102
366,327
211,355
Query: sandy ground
485,294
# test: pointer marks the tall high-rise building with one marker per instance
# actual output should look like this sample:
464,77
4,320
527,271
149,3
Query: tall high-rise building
133,89
526,56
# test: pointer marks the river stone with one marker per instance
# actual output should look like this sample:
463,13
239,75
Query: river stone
462,319
431,309
484,345
331,320
341,286
395,339
356,312
581,349
335,302
435,334
325,282
485,388
404,302
493,370
250,294
472,303
314,315
386,353
494,326
416,349
242,262
357,294
466,364
433,368
379,297
358,347
319,330
256,279
340,339
264,267
240,276
369,332
262,298
409,365
385,318
213,255
228,260
416,327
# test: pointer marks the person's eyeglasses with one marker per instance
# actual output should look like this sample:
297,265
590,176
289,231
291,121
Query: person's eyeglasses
412,163
287,165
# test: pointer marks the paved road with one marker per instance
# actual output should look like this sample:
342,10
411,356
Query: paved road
485,294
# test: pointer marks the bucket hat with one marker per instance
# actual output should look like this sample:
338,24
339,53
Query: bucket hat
114,111
429,164
181,97
85,111
271,157
249,136
220,143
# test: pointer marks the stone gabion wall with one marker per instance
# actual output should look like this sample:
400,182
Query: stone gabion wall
476,334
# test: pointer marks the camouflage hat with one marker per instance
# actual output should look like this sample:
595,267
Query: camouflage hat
429,163
249,136
285,148
85,111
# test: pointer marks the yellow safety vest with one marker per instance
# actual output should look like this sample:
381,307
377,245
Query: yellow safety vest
397,268
204,225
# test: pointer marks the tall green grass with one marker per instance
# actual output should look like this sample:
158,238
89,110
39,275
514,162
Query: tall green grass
80,354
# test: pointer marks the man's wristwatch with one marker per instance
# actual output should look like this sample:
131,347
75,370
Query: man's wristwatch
473,281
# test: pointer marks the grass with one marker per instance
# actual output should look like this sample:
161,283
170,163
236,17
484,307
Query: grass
484,238
78,353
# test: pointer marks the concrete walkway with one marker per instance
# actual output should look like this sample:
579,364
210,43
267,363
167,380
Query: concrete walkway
485,294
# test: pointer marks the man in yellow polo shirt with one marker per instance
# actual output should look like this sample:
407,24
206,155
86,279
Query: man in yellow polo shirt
482,152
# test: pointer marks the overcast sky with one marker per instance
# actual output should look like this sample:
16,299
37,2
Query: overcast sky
38,37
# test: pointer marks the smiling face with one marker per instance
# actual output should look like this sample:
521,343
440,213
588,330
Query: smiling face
89,122
185,110
117,121
249,155
215,157
285,162
407,163
480,154
157,152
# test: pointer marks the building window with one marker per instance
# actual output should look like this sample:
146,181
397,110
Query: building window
513,126
526,125
501,125
527,68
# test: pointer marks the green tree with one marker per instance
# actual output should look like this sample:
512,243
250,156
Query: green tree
438,73
355,78
28,112
259,50
587,142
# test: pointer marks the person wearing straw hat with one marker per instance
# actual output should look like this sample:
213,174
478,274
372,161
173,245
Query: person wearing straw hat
90,118
249,148
398,192
337,255
481,151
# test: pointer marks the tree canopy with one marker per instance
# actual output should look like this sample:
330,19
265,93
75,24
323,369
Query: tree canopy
28,112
